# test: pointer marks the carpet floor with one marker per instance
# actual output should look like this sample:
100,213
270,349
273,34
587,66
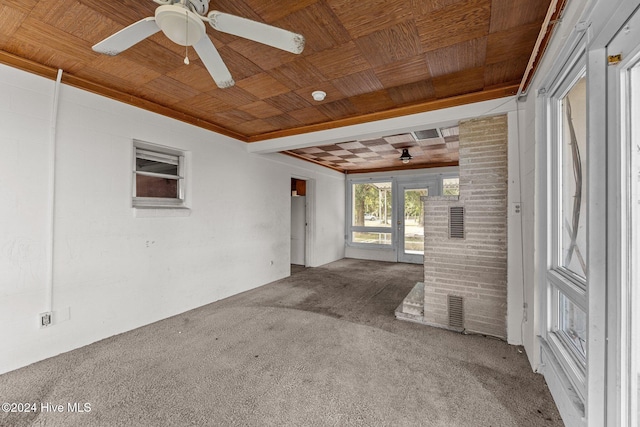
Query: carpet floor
319,348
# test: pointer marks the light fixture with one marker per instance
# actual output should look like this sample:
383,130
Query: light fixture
318,95
405,157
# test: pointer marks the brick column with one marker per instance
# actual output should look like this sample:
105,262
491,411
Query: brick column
475,267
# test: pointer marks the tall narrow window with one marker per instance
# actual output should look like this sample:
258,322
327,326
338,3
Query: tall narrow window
567,275
158,176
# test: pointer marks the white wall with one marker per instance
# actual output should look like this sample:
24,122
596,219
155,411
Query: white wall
115,270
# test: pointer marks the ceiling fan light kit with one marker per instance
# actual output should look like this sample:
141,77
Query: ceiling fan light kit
182,22
180,25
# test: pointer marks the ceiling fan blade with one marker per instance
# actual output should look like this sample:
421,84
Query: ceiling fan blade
127,37
257,31
214,63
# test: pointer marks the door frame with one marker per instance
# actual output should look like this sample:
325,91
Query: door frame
432,189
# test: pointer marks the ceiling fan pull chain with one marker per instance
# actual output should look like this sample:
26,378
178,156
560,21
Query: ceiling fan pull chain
186,38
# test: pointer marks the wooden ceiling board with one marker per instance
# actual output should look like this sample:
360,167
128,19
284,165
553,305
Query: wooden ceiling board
373,101
309,116
465,81
265,57
289,101
327,31
260,110
390,44
339,61
123,12
297,74
195,76
409,70
422,7
10,20
50,39
454,24
358,83
509,70
412,92
338,109
255,127
375,59
274,10
202,102
375,15
282,121
510,44
508,14
25,6
234,96
169,91
457,57
262,86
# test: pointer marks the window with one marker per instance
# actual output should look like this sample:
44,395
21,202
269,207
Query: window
371,213
158,176
387,212
567,246
451,186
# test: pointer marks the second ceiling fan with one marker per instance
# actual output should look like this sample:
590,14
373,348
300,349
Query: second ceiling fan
182,21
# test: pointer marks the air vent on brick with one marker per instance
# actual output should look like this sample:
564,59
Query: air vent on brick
456,312
456,222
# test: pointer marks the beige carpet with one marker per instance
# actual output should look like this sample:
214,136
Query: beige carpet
320,348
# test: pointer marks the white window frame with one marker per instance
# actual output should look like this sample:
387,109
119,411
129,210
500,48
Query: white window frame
356,228
557,278
428,179
162,153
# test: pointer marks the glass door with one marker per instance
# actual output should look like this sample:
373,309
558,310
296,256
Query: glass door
411,222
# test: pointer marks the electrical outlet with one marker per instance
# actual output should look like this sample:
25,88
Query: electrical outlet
45,319
516,208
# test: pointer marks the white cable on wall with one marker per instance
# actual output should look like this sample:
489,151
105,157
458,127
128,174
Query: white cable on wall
51,202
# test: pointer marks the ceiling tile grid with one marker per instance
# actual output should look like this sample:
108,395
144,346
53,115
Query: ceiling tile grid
384,152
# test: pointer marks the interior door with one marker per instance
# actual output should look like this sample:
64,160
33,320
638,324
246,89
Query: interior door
298,229
410,221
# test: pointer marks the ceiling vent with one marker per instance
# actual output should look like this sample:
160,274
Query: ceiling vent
427,137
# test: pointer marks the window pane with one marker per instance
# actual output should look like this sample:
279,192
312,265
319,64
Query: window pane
149,186
371,237
372,204
451,187
573,174
154,166
414,221
573,325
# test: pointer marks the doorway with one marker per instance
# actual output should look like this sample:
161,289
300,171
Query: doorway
298,222
411,221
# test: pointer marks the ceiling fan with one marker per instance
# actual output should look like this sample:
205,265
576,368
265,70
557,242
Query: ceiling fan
182,21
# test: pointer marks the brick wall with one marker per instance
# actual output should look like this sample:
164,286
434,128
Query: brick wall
475,267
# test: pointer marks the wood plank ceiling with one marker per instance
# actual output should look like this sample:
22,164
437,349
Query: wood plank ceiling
374,59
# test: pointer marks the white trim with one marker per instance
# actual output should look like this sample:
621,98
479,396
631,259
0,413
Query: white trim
596,243
159,153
